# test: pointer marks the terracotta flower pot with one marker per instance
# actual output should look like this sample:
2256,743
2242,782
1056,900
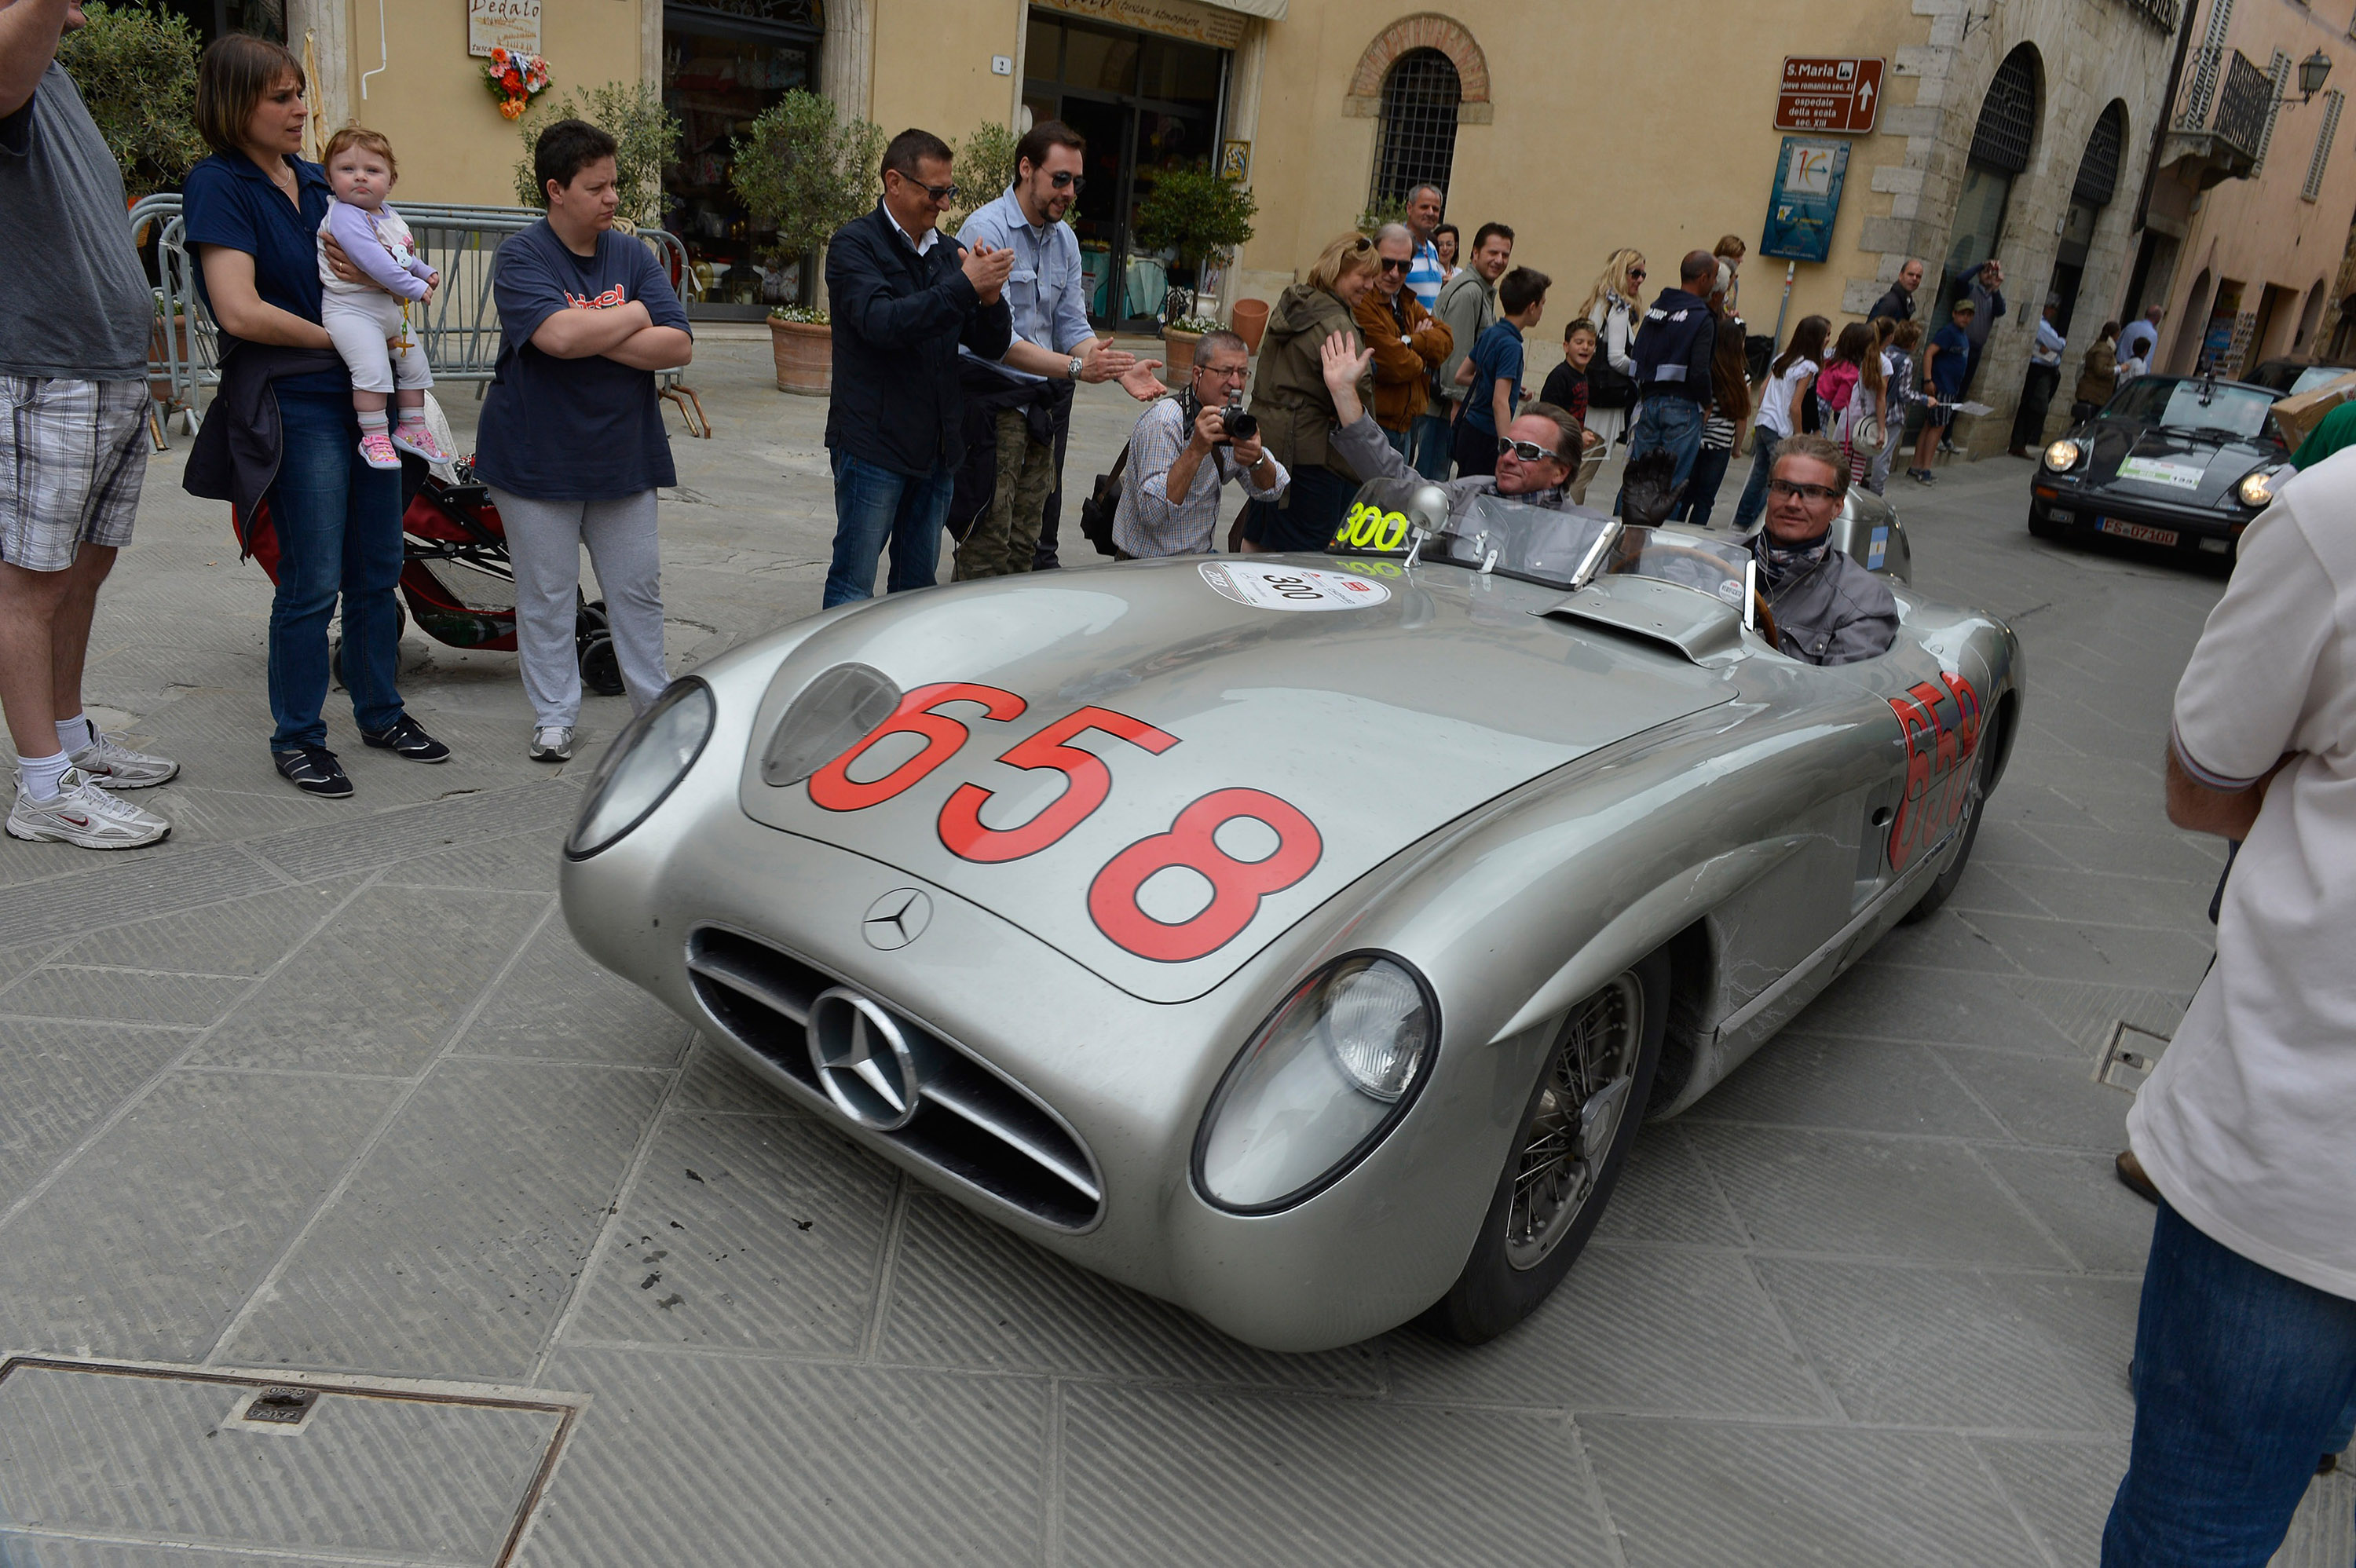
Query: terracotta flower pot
1248,319
1178,353
805,353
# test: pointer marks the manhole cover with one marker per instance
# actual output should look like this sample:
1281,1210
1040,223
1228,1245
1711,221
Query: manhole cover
171,1456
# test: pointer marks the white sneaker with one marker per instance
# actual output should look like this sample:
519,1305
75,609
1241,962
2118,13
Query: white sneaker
116,766
84,814
553,743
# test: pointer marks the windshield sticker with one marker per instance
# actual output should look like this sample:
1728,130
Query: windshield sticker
2160,471
1291,587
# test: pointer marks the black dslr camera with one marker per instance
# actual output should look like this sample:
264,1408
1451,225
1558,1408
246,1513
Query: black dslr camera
1240,426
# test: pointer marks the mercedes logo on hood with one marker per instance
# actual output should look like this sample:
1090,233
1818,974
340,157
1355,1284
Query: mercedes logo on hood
896,919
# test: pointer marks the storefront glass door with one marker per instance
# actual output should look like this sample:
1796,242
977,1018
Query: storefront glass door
721,69
1145,103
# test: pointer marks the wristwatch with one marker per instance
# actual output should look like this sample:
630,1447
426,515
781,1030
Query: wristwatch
1077,364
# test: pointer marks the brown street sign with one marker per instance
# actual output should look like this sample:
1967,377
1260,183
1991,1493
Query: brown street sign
1828,93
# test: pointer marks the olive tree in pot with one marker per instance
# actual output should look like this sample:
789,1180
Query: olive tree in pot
803,172
1202,216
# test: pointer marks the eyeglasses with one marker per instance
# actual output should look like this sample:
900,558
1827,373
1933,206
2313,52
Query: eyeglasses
1528,450
1064,179
1783,489
1222,372
1635,274
944,193
1401,266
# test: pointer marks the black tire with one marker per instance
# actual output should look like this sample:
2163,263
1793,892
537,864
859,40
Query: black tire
1520,1255
591,618
1975,806
601,670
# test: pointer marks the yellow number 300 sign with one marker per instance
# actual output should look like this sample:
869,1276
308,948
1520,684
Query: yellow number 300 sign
1371,529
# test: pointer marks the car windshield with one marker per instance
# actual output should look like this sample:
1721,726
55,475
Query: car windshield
1496,533
2217,408
1570,550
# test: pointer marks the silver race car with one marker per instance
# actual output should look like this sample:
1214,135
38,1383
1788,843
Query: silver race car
1301,939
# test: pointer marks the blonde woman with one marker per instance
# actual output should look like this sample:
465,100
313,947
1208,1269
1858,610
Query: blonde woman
1296,412
1615,305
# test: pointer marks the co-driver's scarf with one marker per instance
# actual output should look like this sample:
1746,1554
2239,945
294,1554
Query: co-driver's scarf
1780,564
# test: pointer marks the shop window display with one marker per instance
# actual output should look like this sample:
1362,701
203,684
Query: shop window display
717,85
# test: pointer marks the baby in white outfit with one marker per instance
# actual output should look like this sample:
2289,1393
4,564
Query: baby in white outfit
369,323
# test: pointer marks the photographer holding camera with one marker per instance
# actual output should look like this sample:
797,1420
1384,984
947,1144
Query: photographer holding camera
1184,450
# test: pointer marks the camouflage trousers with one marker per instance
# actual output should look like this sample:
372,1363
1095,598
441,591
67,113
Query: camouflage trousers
1005,537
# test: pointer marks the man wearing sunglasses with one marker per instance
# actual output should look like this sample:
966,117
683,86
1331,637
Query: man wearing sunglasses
1019,408
1828,610
1535,457
903,298
1407,341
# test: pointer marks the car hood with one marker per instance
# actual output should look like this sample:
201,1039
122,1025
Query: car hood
1423,696
2151,462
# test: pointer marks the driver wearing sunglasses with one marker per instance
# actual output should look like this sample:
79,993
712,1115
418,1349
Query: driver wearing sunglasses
1829,609
1532,466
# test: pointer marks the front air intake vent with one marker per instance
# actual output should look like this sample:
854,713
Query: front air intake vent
971,1123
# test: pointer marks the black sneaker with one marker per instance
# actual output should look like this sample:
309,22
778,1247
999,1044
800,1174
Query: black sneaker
406,741
315,771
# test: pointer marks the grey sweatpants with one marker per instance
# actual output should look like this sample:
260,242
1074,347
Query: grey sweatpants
544,540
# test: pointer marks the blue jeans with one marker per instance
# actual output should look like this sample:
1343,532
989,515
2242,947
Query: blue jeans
2242,1377
1403,443
338,526
1754,491
872,504
1670,424
1435,445
1702,493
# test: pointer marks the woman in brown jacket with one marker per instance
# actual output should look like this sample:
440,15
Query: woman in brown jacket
2100,378
1294,409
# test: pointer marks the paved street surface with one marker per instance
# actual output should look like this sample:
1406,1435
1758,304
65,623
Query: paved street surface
324,1088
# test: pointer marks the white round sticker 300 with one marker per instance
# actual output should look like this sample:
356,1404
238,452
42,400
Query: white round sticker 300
1291,587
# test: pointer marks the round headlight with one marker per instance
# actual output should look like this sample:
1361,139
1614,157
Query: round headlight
2258,489
1319,1084
2063,454
645,762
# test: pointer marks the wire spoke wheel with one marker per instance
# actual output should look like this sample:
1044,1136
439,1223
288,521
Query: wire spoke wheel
1580,1108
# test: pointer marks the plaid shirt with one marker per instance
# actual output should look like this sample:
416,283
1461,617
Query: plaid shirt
1150,522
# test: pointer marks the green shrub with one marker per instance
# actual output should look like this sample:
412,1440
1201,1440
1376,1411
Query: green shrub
631,113
805,172
1389,209
137,71
1195,213
983,170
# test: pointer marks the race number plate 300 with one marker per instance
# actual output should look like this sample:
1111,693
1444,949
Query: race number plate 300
1291,587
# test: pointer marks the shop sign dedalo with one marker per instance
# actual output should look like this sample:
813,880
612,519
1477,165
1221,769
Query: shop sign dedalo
1839,94
1805,200
1171,18
511,25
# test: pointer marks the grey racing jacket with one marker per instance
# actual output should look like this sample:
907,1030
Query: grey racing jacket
1837,613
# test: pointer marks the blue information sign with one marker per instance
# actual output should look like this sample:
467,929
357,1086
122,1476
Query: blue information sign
1807,199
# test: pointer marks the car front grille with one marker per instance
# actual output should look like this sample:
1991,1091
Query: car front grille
974,1126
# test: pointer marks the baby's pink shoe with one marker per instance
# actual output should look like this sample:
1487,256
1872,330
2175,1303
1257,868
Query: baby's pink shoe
376,451
418,441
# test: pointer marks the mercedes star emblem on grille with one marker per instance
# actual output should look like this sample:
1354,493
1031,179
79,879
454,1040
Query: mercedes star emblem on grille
862,1060
896,919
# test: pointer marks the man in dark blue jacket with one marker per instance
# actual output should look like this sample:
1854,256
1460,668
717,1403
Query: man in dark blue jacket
1671,356
902,297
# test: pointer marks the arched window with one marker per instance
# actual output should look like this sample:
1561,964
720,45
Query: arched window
2000,143
2098,182
1418,142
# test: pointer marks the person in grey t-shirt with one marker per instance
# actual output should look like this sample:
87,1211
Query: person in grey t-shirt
73,402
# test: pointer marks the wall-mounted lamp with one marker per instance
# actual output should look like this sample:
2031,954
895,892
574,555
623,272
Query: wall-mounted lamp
2313,72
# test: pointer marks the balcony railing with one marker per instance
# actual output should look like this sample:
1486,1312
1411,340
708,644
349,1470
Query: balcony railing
2160,14
2243,106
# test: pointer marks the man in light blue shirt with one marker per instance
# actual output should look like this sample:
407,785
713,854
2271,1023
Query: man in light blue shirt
1029,388
2037,392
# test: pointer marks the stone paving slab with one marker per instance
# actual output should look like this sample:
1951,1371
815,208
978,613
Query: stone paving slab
326,1087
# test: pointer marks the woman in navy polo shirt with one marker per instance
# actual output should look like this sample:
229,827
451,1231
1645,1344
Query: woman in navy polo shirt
253,211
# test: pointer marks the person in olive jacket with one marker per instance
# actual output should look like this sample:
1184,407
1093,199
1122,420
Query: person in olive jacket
902,296
1296,415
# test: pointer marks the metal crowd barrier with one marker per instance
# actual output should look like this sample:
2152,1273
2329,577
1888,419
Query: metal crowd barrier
459,326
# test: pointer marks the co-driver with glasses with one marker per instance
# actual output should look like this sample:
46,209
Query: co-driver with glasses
1829,609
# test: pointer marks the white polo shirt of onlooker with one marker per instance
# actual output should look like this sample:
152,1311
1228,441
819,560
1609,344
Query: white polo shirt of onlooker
2248,1125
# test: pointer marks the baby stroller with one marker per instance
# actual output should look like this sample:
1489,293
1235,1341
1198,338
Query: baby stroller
454,573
